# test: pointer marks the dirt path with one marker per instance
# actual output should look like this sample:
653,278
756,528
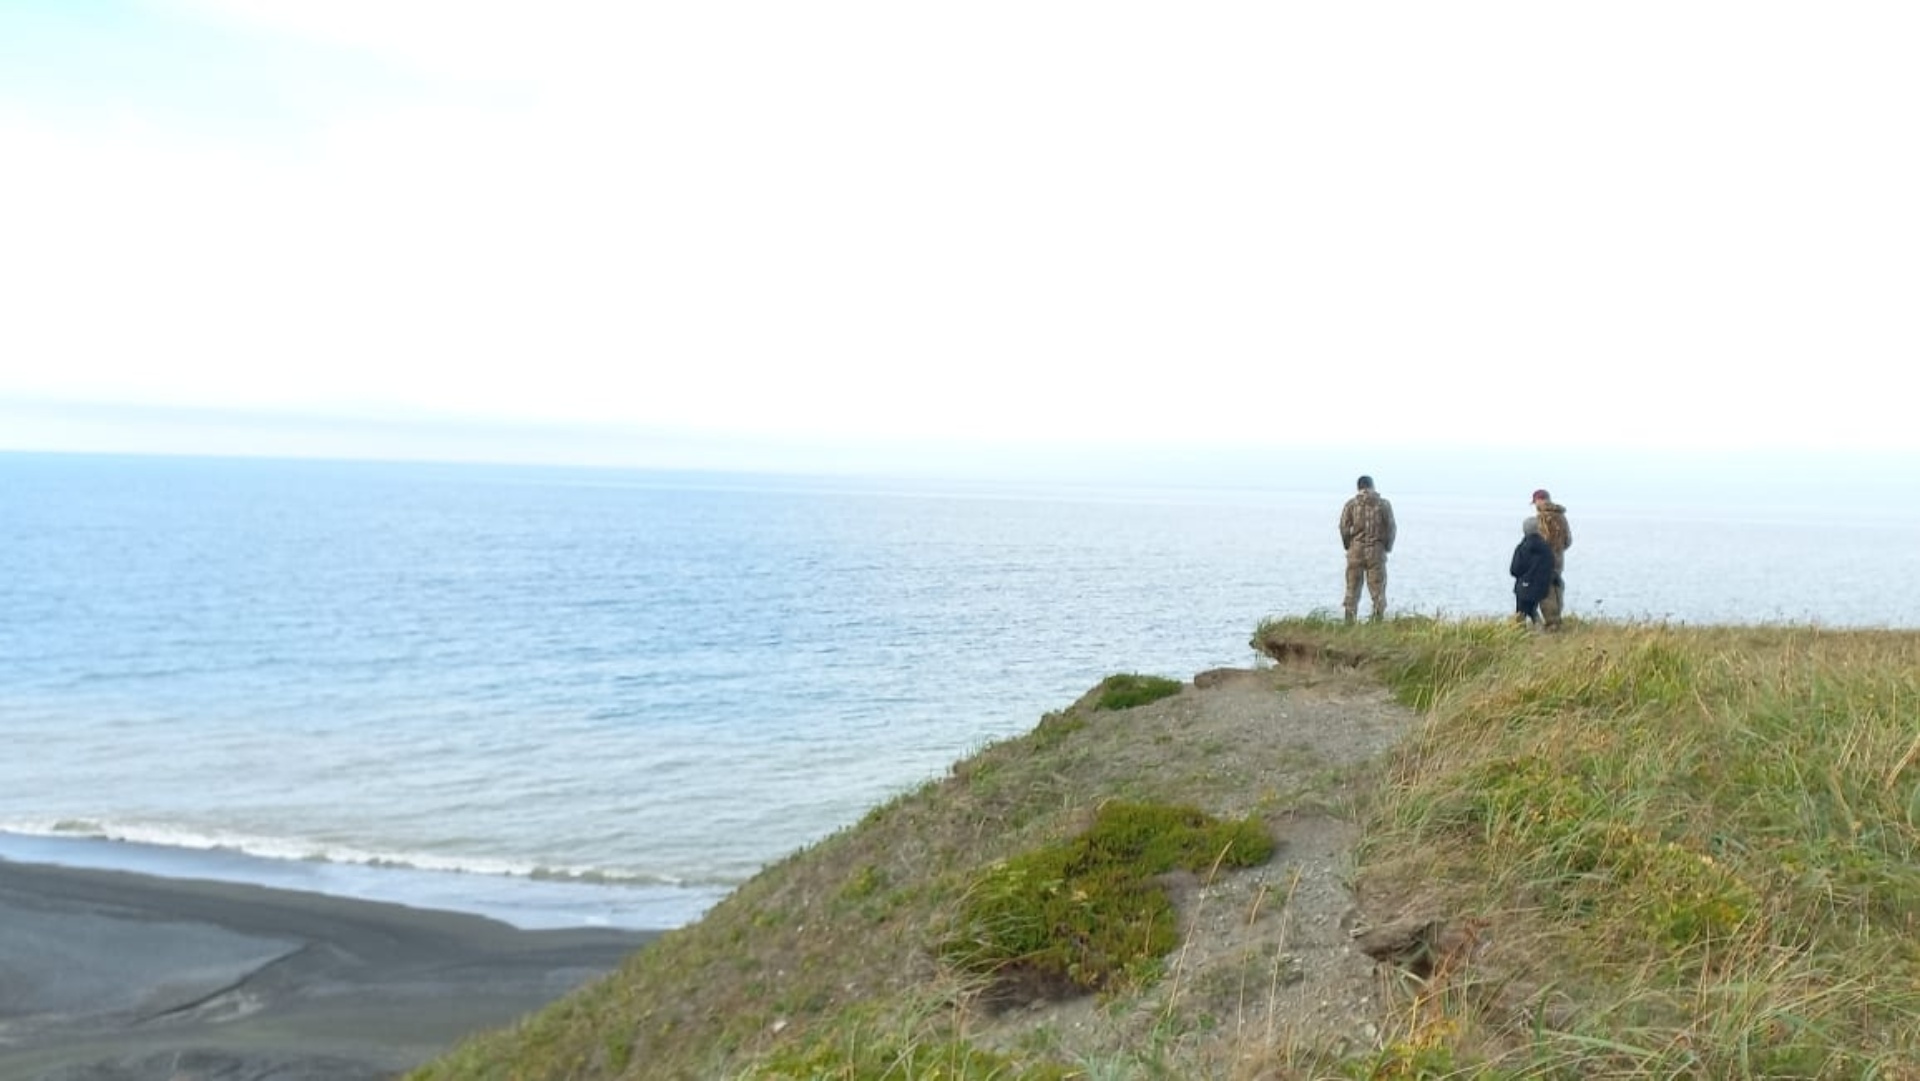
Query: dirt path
1269,957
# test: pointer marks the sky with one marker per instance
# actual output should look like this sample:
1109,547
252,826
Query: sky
760,234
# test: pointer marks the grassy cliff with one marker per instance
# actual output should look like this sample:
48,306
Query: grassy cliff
1621,851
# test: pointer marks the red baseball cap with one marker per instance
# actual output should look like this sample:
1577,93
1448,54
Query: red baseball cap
1539,494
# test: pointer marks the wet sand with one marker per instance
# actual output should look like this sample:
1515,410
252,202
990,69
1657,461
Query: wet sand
110,976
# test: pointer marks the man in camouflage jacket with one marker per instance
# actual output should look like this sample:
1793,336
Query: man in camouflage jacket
1366,532
1559,537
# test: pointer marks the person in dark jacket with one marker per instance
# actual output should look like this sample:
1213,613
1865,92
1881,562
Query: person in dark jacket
1532,570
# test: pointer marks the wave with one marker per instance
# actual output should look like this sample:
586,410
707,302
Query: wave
294,850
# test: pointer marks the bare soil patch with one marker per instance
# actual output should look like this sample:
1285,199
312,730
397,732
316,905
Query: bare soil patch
1271,956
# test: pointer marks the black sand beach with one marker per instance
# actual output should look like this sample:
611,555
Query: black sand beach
109,976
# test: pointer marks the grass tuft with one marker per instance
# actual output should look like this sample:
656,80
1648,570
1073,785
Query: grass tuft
1128,690
1086,914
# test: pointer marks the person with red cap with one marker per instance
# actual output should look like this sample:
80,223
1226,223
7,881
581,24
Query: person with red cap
1559,537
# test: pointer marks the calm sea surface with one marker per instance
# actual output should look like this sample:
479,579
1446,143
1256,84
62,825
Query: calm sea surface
574,697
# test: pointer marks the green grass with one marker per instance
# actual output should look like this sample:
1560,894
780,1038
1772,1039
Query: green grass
1128,690
1674,852
1086,914
1707,839
859,1046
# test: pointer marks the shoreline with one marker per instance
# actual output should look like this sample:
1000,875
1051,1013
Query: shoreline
122,976
529,902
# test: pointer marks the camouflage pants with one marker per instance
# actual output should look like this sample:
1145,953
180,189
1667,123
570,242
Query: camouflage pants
1370,565
1555,601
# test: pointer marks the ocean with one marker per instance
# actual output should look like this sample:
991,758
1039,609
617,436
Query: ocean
566,697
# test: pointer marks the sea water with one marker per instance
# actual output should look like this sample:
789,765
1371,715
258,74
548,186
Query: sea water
566,697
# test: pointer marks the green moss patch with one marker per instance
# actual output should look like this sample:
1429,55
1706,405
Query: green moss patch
1088,914
1128,690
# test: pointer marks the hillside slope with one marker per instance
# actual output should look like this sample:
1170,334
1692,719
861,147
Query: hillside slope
1625,851
846,926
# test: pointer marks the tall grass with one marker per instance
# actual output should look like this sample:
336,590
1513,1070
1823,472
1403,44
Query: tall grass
1693,849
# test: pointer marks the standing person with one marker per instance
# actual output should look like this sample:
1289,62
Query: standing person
1532,570
1559,537
1366,532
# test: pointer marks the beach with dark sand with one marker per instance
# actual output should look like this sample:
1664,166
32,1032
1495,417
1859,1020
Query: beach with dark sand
112,976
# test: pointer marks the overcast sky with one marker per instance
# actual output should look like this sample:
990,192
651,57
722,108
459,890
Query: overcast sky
613,229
